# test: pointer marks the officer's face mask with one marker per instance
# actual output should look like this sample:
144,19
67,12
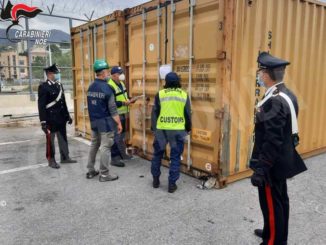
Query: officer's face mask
260,80
122,77
57,77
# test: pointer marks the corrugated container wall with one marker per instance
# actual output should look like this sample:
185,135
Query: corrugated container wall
296,31
184,27
213,45
99,39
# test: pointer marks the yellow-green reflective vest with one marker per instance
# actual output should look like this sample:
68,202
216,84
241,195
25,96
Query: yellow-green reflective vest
121,96
173,102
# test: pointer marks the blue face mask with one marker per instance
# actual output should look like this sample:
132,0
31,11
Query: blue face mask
261,81
57,77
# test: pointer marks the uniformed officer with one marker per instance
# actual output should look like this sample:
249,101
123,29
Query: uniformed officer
274,157
104,119
122,100
171,122
54,115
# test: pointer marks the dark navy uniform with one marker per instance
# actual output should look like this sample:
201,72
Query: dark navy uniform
58,114
54,115
274,157
98,96
101,108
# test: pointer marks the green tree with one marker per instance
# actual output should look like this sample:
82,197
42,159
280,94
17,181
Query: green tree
55,50
64,62
38,64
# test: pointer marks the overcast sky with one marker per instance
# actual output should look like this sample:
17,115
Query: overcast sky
72,8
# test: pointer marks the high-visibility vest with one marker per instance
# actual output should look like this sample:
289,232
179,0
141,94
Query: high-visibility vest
121,96
172,102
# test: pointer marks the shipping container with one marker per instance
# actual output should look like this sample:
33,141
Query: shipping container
100,39
296,31
213,45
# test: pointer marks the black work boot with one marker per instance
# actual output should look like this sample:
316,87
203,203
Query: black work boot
128,157
53,164
156,182
172,188
68,160
117,163
259,233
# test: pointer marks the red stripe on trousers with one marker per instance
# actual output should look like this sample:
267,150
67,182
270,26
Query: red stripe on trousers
48,137
271,215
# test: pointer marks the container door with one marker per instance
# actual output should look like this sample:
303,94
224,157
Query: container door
193,31
83,75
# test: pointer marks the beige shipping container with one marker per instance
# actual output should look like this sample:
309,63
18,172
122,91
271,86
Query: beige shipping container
213,45
296,31
99,39
194,55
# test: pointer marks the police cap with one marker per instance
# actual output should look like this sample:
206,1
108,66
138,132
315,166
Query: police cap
52,68
267,61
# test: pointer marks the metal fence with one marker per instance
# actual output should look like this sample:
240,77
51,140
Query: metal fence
24,56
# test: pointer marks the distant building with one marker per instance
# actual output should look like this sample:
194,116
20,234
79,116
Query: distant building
38,51
13,65
22,47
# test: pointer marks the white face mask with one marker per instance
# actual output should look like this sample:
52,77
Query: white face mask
122,77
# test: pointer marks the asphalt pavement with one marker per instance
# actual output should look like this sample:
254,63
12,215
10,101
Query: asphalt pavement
40,205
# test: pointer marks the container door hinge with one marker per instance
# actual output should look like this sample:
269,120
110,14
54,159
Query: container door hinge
219,114
221,55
